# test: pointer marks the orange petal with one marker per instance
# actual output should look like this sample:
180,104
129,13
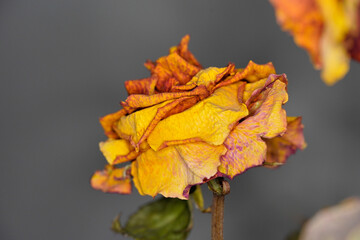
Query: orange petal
280,148
112,149
173,66
141,86
142,101
183,51
112,180
252,73
303,19
171,170
245,145
210,119
108,122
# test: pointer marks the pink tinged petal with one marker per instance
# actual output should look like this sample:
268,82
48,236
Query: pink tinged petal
280,148
172,170
245,146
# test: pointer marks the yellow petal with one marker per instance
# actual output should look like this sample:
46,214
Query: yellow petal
206,77
210,120
133,126
334,53
113,149
245,145
112,180
173,170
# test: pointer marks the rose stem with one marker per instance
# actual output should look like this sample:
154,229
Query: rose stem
220,188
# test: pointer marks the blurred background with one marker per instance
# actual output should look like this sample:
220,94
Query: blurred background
63,64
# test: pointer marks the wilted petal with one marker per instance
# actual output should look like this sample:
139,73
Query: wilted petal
114,149
142,101
173,66
163,112
252,91
183,51
207,77
141,86
245,145
171,170
303,19
355,48
334,53
280,148
108,122
252,73
133,126
339,222
210,120
112,180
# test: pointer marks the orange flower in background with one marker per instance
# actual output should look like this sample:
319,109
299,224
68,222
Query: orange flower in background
328,29
185,125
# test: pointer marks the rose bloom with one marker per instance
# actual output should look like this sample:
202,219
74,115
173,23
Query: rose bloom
185,125
328,29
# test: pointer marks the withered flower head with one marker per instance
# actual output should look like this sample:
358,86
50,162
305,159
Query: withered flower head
185,125
328,29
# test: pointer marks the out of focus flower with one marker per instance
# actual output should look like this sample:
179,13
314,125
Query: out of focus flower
328,29
185,125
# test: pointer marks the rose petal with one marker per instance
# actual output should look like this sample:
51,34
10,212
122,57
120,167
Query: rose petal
334,54
252,73
208,77
280,148
141,86
303,19
170,170
161,114
173,66
183,51
108,121
112,180
115,148
133,126
210,120
142,101
245,145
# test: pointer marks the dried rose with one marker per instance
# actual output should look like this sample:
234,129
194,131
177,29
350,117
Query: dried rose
185,125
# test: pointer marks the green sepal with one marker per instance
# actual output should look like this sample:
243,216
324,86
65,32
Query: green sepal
166,218
198,198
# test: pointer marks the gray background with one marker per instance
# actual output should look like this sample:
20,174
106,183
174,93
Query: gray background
63,65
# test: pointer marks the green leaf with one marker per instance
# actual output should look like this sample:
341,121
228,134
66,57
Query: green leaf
166,218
